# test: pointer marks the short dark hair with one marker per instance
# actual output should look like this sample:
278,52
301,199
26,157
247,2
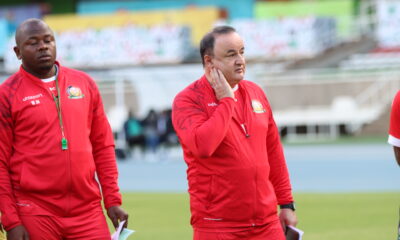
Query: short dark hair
207,42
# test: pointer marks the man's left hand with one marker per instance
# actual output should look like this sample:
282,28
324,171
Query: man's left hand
117,214
287,217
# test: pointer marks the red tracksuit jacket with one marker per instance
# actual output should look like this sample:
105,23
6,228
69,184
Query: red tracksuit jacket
37,177
234,180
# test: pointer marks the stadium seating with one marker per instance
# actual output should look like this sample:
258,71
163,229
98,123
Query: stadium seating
118,47
372,61
199,20
326,108
286,38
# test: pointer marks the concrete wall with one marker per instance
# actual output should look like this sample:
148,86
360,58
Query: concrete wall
284,96
379,127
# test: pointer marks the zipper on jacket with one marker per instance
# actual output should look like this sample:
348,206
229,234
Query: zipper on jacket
256,195
242,126
245,130
67,205
246,127
246,123
69,172
69,180
68,167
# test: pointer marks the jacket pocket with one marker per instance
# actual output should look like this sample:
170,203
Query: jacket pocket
38,177
237,195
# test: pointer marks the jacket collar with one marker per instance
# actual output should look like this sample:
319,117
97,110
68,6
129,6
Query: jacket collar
35,79
205,83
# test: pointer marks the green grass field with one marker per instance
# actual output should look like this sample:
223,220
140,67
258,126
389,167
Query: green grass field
360,216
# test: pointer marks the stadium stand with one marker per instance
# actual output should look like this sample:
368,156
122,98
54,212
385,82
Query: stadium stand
117,47
334,56
287,38
348,102
291,38
199,20
371,61
341,11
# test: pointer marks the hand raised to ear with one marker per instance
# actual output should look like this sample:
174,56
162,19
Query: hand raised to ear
220,85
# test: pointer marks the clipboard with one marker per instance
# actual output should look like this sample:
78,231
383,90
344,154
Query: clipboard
293,233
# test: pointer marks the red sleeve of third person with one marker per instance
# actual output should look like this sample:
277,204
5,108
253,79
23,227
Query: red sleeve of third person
394,128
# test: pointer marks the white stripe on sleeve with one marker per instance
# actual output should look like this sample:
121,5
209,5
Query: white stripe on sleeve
394,141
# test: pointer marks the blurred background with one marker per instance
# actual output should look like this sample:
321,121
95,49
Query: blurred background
330,69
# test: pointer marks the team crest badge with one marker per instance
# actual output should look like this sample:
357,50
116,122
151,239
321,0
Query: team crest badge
257,106
74,92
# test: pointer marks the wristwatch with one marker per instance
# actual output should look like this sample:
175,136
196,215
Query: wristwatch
289,205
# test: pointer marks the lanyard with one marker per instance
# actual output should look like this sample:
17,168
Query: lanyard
57,100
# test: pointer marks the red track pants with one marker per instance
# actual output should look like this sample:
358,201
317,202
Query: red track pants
91,226
271,231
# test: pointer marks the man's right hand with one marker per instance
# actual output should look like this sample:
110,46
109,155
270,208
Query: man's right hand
218,82
18,233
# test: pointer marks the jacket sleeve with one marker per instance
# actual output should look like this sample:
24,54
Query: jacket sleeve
9,213
394,126
279,174
103,146
199,133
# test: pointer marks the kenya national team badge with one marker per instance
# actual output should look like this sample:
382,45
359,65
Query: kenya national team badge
257,106
74,92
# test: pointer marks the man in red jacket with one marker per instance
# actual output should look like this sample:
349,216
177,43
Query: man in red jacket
236,169
54,140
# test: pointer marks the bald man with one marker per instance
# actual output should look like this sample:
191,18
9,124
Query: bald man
54,140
